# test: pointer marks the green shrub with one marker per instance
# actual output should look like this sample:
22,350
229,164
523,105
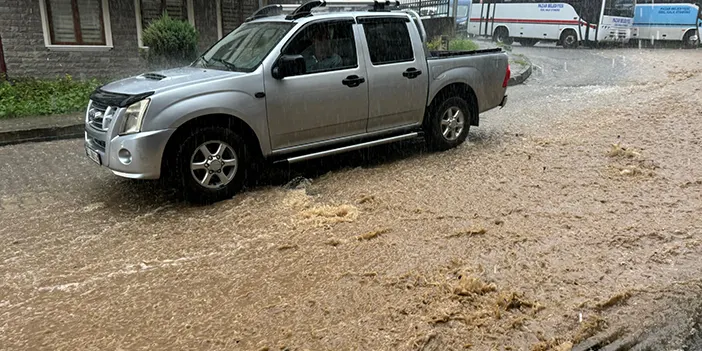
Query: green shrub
171,41
434,44
457,44
34,97
462,45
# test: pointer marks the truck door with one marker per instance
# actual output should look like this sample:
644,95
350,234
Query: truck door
397,72
329,100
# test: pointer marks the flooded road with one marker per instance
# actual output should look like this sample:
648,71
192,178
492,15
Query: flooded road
571,212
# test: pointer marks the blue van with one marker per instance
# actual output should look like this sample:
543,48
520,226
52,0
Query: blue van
670,21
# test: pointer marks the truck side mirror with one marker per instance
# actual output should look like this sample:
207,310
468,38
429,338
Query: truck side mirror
289,65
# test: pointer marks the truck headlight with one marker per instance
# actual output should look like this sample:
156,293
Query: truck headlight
134,117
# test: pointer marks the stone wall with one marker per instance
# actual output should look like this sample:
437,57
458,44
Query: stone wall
206,22
26,54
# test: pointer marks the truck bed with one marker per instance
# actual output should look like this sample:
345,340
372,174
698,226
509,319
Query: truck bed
483,70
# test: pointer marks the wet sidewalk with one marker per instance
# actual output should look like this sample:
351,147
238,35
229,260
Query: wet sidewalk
41,128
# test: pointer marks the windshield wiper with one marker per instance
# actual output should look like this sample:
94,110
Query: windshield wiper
229,65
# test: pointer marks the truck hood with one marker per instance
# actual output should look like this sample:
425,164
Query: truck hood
158,81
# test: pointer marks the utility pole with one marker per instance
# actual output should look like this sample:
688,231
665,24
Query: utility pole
455,16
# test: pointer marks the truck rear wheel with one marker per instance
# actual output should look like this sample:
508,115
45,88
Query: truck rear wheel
448,124
211,164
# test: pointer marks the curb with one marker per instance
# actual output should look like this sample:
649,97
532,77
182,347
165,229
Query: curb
515,80
42,134
519,79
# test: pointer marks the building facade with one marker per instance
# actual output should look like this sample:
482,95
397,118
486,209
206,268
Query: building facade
101,38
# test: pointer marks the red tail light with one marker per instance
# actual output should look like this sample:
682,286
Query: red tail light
508,75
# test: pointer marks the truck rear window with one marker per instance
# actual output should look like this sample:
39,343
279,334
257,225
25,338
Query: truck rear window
388,40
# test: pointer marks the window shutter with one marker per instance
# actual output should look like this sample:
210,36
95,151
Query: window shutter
177,9
62,21
152,10
90,13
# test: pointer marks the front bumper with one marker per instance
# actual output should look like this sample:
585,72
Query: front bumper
136,156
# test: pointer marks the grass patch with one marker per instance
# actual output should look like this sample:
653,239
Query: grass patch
462,45
35,97
457,44
504,46
522,62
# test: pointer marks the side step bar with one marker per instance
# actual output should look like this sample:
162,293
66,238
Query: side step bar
351,148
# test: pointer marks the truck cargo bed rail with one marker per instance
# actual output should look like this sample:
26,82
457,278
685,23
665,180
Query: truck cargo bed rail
454,53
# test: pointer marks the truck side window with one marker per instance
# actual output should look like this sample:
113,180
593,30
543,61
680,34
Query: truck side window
388,40
326,46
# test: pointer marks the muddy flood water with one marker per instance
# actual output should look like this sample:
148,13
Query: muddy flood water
529,237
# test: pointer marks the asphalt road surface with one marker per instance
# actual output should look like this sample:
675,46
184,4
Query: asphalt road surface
536,234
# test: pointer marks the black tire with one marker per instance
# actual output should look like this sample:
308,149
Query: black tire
434,131
501,35
687,41
527,42
195,192
569,39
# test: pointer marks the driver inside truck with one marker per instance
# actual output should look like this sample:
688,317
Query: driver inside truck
321,56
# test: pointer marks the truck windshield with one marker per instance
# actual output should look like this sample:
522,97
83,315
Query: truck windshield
619,8
244,49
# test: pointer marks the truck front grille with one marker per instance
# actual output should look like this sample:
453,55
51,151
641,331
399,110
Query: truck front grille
98,144
100,116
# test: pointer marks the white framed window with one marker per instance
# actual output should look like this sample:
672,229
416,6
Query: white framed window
70,25
219,19
149,10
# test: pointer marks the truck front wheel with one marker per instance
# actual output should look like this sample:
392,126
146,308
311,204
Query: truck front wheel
448,124
211,164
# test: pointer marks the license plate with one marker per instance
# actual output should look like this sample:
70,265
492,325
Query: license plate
93,155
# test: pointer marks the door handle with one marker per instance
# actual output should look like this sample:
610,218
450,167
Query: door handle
353,81
411,73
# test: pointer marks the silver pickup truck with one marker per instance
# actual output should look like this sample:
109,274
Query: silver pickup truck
288,86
